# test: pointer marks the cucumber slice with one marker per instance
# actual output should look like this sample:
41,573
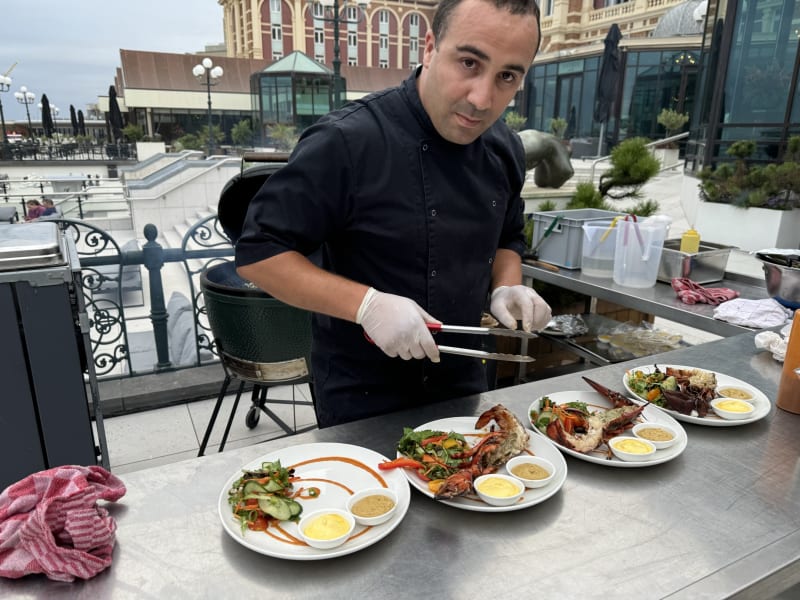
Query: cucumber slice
275,507
294,507
253,487
273,486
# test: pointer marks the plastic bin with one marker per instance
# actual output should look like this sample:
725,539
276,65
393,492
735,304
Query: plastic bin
564,246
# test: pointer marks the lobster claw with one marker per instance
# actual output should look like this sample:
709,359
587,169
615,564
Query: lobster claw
615,397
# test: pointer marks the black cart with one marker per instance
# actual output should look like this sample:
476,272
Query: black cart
46,368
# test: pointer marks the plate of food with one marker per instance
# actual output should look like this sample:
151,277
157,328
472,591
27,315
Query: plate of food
443,458
687,393
261,504
584,424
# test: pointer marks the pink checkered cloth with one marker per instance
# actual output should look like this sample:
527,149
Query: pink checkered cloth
50,523
690,292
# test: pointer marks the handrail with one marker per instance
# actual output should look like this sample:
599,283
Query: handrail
104,265
655,144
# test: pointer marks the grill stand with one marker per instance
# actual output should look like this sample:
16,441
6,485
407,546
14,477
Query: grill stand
262,376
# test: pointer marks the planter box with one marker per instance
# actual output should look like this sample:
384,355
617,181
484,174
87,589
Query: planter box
749,229
668,157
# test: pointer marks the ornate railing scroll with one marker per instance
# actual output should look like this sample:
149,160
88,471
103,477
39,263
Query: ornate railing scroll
101,276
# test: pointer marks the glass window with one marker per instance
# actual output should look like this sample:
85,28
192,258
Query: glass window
276,99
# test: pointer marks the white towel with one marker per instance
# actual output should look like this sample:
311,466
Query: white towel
759,314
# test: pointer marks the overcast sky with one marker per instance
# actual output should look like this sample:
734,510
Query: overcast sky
70,50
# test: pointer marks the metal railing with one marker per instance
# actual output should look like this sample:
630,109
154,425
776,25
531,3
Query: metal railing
104,269
76,197
28,150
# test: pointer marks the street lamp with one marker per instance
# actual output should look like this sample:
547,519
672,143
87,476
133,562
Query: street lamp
335,13
5,85
54,112
207,74
27,98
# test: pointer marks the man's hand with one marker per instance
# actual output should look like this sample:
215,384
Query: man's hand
397,325
520,303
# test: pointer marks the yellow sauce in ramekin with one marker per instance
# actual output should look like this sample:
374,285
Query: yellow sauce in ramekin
327,527
737,406
498,488
633,446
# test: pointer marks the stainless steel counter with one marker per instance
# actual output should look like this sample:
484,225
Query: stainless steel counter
659,300
721,520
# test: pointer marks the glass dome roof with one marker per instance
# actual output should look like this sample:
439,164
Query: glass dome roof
687,18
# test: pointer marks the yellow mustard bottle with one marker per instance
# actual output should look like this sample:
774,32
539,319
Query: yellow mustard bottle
690,241
789,388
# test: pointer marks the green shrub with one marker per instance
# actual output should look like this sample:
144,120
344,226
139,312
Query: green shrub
515,120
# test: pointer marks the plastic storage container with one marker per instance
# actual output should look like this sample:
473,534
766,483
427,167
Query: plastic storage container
638,252
599,244
564,245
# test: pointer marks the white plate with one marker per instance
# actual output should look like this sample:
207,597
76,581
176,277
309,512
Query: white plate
650,414
760,401
538,446
338,470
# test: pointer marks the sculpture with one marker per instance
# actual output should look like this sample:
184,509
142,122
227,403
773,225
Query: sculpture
548,156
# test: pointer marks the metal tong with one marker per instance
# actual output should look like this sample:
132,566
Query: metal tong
497,331
435,328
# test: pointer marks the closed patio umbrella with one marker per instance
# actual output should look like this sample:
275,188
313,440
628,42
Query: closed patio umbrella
73,118
47,117
81,124
114,115
608,82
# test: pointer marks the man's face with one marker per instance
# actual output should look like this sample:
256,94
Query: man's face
482,57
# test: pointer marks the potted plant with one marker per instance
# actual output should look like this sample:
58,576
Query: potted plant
515,121
673,122
770,195
558,126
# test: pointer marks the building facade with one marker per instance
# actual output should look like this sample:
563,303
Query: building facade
735,71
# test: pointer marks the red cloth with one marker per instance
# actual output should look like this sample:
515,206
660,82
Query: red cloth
50,523
690,292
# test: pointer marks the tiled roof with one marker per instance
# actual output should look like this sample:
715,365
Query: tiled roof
173,72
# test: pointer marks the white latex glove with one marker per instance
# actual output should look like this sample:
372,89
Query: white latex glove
520,303
397,325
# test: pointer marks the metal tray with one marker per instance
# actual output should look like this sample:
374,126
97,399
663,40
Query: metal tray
705,266
29,246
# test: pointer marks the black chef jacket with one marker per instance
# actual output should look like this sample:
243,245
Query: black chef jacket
393,205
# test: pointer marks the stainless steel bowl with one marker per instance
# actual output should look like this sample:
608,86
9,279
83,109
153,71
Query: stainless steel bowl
783,283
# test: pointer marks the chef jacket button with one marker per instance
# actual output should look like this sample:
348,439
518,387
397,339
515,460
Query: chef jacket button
433,212
491,260
433,273
424,147
494,202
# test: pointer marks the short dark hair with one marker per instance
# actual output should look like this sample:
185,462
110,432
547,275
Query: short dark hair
445,8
